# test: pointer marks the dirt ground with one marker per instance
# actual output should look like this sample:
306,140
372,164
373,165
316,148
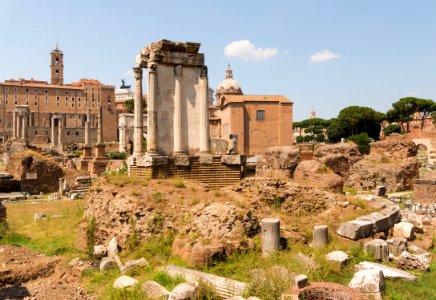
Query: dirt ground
25,274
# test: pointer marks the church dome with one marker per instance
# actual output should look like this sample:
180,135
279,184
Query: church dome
229,86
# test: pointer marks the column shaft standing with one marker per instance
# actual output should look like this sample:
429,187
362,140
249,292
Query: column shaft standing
100,125
60,125
25,126
53,137
178,148
19,126
137,109
152,138
14,124
204,113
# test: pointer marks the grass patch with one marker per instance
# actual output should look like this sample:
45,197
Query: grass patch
51,236
179,183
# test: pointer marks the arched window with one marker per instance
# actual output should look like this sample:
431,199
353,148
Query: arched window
260,115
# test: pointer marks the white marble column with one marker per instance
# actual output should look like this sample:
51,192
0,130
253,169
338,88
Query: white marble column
152,138
60,125
178,147
122,138
14,124
25,129
204,113
88,128
19,125
100,125
53,138
137,109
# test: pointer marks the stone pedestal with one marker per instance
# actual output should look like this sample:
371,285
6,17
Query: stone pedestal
320,236
85,159
378,248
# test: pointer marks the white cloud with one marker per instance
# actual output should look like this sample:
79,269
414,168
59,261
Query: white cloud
323,55
245,50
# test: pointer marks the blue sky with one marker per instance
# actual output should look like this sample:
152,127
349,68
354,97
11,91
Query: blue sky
324,55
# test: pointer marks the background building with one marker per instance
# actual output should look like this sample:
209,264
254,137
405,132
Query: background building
257,121
69,101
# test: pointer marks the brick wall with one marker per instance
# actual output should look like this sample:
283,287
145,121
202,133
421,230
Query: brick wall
424,191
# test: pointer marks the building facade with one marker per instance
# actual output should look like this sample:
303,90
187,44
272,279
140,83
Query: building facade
255,121
67,102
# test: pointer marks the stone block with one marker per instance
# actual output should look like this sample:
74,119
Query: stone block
397,245
112,247
356,229
369,282
183,291
300,281
151,160
411,261
153,290
338,257
205,159
380,190
132,264
388,272
39,216
232,159
123,282
181,160
405,230
378,249
99,251
107,264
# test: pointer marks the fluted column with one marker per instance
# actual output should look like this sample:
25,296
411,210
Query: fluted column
60,125
122,138
204,113
137,124
100,126
178,147
19,125
88,128
152,138
14,124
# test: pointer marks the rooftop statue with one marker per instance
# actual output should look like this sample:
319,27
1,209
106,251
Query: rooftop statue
123,85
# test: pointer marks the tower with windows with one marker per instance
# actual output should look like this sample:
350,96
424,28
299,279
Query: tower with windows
57,67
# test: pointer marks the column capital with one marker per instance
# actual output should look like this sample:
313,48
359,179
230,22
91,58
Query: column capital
152,66
178,70
137,72
203,71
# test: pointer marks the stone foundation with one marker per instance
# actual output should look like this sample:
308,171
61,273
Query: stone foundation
214,173
424,191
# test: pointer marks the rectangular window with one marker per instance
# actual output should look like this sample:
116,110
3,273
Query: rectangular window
260,115
35,103
46,91
36,90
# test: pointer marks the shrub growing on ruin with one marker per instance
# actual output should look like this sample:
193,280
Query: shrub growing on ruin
117,155
363,142
90,236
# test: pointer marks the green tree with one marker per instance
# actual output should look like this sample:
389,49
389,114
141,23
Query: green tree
312,127
425,108
300,139
129,105
392,128
402,112
358,119
335,131
363,142
320,137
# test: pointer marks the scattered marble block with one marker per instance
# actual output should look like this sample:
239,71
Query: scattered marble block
183,291
300,281
411,261
112,247
339,257
397,245
378,248
132,264
320,236
388,272
405,230
123,282
369,282
153,290
356,229
107,264
99,251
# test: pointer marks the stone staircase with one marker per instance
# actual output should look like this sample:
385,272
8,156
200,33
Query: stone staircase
81,187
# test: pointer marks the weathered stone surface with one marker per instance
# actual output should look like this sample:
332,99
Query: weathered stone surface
356,229
181,160
132,264
107,264
308,261
219,229
380,190
38,216
45,172
395,175
278,162
99,251
118,261
397,245
183,291
123,282
378,249
411,261
223,287
395,147
154,290
232,159
319,175
338,256
369,282
405,230
205,159
270,235
388,272
112,247
320,236
324,290
236,298
301,281
338,157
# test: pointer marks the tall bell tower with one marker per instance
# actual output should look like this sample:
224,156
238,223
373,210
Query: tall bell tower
57,66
